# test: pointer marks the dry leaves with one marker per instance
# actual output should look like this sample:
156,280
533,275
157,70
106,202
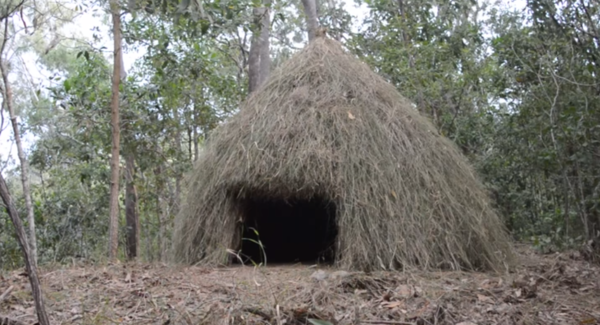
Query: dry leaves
545,290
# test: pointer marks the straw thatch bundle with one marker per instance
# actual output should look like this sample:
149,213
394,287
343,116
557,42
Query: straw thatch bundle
324,125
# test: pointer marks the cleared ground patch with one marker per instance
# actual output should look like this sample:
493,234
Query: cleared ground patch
545,289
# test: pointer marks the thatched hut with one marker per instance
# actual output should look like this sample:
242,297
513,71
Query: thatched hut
326,160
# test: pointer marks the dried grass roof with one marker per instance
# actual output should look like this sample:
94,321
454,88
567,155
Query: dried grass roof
325,125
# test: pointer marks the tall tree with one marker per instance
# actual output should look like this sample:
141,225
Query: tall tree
29,249
7,95
131,209
162,209
29,262
254,55
259,61
312,20
265,48
116,132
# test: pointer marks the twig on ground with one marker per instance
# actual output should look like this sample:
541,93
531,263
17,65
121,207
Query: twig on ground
387,322
5,294
258,312
278,315
4,320
76,317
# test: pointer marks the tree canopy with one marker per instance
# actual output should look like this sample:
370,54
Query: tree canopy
517,89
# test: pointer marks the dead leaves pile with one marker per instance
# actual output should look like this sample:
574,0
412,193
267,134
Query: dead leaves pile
550,289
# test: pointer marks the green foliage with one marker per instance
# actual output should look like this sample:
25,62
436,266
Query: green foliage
522,103
259,243
179,90
435,55
544,164
517,91
11,255
71,155
197,19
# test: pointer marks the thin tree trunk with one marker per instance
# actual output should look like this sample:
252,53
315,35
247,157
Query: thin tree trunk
131,210
265,48
179,175
254,56
29,261
259,60
404,32
148,229
114,163
310,10
163,212
177,203
162,230
196,148
8,103
195,129
189,142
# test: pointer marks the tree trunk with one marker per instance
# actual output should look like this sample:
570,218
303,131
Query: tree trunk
29,261
254,56
190,140
310,10
179,174
405,34
8,102
196,148
116,134
265,46
163,212
195,121
131,210
147,227
259,60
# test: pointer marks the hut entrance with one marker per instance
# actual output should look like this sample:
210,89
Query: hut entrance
290,231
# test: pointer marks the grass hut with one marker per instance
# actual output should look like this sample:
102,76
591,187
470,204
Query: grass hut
327,161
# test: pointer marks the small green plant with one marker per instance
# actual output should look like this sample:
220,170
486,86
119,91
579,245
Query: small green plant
260,244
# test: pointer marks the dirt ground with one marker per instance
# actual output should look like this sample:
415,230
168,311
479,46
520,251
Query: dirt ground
545,289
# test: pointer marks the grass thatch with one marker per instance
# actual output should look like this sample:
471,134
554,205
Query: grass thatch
324,125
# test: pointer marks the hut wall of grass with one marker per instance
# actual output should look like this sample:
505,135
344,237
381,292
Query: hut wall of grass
326,128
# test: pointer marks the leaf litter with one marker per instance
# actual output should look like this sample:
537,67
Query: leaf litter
545,289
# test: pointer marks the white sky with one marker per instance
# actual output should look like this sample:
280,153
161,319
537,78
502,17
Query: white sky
84,26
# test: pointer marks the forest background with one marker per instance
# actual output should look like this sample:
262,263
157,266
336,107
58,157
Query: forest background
515,85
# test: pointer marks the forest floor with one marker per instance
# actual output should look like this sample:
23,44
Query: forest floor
557,288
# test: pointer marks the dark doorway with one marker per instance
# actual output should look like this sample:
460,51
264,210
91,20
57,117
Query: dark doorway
290,232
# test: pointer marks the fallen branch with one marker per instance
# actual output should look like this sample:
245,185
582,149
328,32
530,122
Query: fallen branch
259,312
387,322
5,320
5,294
